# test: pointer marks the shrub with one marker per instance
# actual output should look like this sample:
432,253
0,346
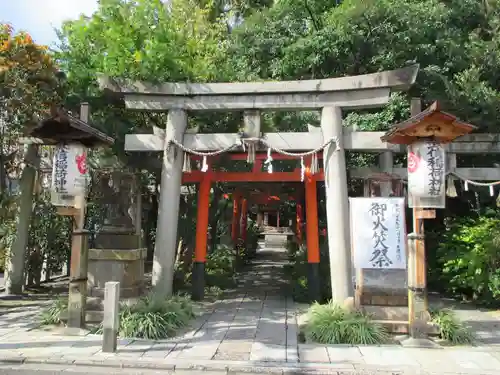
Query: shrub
451,329
331,324
298,271
52,315
468,259
154,318
220,267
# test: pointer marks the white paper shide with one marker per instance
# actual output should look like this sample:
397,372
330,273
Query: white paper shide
426,170
69,169
378,232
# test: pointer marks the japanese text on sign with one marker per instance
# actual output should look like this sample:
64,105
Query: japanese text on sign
69,169
378,234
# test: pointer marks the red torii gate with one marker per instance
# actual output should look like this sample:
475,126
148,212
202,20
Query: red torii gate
240,204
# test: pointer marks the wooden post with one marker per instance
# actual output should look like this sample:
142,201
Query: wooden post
244,219
15,264
299,214
198,276
418,229
235,224
77,297
313,255
418,314
111,319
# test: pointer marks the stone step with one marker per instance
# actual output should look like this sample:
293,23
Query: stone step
387,312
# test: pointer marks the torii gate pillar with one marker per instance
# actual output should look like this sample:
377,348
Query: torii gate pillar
337,206
168,212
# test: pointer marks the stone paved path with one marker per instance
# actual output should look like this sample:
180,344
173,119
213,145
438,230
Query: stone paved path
253,329
256,321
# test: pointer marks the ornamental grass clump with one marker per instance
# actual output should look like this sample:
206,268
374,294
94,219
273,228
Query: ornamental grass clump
451,329
52,315
332,324
154,318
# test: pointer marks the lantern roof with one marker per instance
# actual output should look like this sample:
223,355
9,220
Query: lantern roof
64,127
431,123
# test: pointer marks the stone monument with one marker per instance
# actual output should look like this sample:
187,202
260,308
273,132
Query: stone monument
117,254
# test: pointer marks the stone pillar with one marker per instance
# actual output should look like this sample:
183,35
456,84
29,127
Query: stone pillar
260,219
337,206
198,277
386,161
266,219
111,320
168,210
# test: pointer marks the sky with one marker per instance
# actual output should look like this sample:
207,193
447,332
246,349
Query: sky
40,17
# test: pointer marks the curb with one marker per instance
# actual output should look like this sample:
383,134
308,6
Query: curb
237,367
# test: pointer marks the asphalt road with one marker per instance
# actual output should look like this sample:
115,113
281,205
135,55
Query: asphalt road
38,369
46,369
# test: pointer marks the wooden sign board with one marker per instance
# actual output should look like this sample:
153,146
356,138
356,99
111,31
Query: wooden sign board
68,211
425,214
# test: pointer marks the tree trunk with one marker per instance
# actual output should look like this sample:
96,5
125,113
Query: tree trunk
14,273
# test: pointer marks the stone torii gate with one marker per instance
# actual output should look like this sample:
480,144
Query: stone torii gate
328,95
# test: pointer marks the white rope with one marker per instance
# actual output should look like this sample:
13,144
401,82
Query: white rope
250,143
198,153
475,183
269,161
302,169
264,142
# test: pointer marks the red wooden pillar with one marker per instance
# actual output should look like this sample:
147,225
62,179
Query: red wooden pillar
235,224
299,217
200,253
244,219
312,238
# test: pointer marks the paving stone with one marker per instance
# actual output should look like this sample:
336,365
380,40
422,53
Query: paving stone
268,353
234,351
205,350
176,351
387,356
292,355
343,354
313,353
468,359
159,350
241,333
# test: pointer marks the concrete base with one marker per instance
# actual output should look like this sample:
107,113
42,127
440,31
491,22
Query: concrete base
198,281
124,266
402,327
382,287
313,282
